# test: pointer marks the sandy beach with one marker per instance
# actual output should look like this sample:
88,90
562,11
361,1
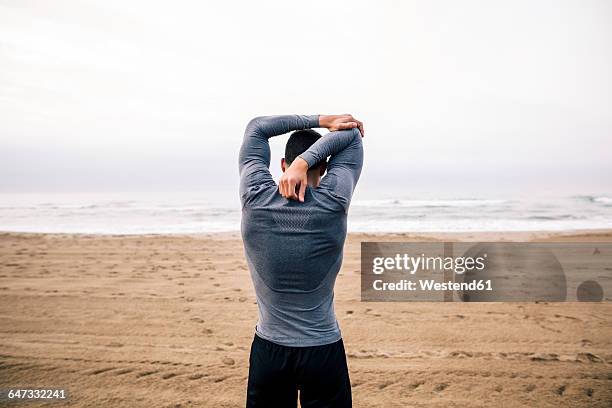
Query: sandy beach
167,321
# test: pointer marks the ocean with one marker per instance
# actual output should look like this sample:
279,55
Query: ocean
187,213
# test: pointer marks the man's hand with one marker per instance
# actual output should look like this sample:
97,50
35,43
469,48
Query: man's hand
293,182
340,122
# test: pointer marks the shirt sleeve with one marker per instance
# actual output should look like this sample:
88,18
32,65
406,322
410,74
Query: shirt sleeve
344,168
254,157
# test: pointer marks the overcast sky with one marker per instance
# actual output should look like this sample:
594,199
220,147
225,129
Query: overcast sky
456,96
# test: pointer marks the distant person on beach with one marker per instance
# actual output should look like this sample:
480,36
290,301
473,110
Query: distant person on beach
293,236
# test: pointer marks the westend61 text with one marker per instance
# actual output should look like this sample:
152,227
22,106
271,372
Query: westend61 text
430,284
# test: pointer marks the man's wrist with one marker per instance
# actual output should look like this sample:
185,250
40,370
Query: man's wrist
299,164
323,121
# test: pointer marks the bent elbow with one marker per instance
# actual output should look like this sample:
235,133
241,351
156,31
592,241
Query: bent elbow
253,124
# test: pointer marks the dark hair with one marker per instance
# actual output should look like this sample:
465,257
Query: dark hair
299,142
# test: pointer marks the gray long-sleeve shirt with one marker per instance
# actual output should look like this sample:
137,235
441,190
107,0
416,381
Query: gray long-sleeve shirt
294,249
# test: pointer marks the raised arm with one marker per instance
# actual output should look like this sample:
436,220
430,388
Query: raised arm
254,158
344,168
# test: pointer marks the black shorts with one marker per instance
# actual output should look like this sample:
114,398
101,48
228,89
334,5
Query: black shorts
276,373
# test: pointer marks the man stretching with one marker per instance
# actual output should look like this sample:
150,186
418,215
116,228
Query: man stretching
293,236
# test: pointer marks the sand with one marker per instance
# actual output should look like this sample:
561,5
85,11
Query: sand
167,321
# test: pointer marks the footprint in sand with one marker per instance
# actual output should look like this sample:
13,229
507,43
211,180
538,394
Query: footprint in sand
530,387
440,387
385,384
545,357
168,376
589,358
101,370
146,373
416,384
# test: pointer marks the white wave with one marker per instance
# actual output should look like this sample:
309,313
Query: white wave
430,203
603,200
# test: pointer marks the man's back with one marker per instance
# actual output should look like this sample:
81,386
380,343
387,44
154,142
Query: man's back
294,252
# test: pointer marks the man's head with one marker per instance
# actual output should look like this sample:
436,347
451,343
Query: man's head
298,143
